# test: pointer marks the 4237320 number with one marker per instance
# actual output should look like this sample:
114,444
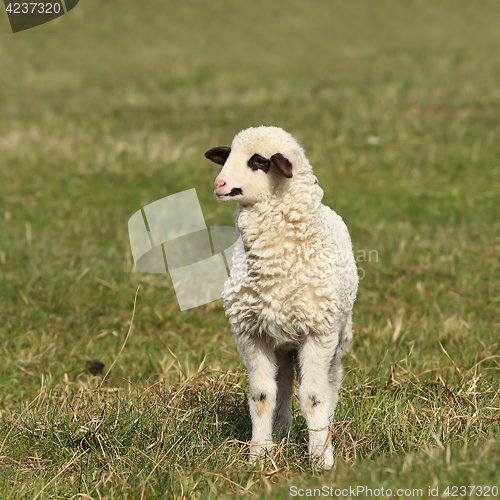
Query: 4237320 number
468,491
34,8
24,15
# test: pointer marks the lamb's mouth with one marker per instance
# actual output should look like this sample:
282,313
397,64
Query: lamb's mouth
233,192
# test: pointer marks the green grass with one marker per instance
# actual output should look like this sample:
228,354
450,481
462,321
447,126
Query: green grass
112,106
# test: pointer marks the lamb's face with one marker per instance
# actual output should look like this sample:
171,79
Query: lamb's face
255,166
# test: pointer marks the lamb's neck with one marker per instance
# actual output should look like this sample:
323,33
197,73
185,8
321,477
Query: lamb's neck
267,222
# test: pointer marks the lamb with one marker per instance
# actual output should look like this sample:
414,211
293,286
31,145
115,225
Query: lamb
292,286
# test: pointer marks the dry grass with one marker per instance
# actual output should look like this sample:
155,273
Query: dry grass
112,108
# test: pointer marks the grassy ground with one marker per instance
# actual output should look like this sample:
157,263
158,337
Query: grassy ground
112,106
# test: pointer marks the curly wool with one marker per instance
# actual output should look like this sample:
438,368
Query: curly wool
294,271
291,289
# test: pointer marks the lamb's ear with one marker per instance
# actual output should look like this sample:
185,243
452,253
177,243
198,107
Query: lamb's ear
219,154
284,166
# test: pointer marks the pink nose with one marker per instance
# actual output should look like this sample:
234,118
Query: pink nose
220,184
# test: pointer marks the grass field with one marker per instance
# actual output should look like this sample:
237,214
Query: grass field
112,106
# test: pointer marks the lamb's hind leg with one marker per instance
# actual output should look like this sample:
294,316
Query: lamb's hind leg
260,360
315,396
285,379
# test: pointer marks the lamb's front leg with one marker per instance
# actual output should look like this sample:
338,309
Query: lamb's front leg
260,360
316,396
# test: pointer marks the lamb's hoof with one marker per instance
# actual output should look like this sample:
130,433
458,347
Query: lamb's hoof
324,463
324,460
283,428
260,453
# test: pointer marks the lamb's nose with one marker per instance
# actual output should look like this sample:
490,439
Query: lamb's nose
220,184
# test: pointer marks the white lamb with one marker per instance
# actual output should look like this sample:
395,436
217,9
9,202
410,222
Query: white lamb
292,287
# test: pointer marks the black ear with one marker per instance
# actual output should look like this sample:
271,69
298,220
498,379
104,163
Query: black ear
219,154
284,166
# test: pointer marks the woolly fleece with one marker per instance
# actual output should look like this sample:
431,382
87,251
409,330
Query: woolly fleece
291,289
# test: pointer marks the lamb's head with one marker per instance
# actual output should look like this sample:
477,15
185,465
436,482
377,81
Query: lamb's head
259,165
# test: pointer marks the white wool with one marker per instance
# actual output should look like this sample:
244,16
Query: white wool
298,274
292,285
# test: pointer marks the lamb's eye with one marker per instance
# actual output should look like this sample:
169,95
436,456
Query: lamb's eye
257,162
